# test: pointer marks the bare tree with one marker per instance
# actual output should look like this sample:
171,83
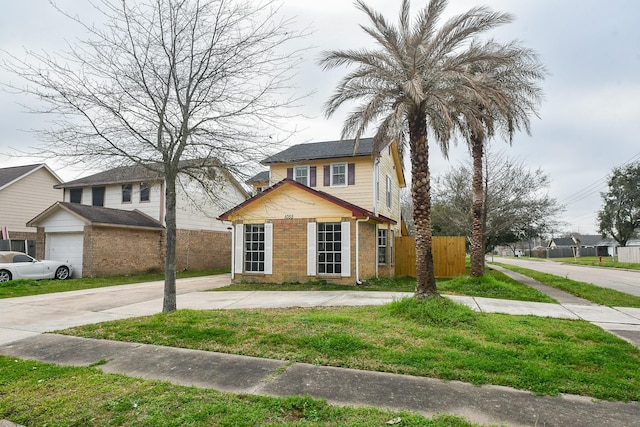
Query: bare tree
516,204
172,85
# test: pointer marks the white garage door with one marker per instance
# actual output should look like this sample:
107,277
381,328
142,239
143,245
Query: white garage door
66,247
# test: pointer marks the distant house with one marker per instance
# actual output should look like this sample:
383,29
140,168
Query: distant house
24,192
576,245
327,214
259,182
104,228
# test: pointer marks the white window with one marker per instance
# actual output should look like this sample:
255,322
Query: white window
388,191
254,248
329,248
301,174
382,246
338,174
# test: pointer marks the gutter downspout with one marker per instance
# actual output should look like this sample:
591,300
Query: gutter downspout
358,221
233,251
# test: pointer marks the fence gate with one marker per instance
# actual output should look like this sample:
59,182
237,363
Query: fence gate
448,256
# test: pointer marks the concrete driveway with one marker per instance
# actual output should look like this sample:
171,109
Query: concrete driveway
627,281
25,317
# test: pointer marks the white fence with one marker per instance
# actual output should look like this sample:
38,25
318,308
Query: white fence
629,254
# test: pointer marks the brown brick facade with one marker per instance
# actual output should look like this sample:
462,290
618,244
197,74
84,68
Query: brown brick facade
289,251
110,251
202,250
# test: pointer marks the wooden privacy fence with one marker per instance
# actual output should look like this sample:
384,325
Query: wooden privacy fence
448,256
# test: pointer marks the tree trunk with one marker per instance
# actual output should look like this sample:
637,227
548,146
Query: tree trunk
477,231
169,303
421,193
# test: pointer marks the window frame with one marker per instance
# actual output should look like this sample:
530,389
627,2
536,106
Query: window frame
307,170
389,192
253,231
98,191
76,191
328,258
382,244
345,174
145,188
127,190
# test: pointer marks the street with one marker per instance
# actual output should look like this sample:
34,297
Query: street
627,281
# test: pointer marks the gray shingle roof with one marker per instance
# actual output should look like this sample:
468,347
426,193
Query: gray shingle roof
114,176
589,239
12,173
100,215
321,150
259,177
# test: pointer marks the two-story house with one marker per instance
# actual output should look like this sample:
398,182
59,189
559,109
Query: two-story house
328,214
113,222
24,192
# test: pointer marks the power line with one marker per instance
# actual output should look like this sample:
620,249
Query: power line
595,186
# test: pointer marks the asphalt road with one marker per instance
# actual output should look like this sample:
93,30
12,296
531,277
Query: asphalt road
627,281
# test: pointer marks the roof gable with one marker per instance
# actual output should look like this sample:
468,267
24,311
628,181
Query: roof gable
321,150
96,215
354,210
12,174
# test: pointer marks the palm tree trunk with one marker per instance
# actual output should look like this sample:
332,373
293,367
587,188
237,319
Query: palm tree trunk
421,193
477,232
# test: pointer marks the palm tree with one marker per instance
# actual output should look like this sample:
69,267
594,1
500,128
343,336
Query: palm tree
410,84
510,94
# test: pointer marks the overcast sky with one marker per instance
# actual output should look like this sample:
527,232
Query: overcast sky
590,117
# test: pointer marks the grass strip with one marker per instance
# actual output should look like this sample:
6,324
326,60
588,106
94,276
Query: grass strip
433,338
26,287
595,261
593,293
38,394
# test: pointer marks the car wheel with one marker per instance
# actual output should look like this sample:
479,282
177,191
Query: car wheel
62,273
5,276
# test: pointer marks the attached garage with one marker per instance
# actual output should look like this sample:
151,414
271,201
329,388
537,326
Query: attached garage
66,247
99,241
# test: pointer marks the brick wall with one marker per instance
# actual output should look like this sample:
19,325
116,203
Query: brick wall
202,249
290,254
110,251
367,250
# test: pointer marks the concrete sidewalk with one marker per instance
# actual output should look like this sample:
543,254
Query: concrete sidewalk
250,375
22,321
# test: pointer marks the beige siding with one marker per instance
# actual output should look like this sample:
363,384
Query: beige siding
360,194
387,167
289,202
23,200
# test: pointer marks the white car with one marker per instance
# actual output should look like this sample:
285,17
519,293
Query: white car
17,265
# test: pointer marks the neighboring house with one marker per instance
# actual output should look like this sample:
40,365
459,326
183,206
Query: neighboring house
203,242
329,214
259,182
578,245
25,191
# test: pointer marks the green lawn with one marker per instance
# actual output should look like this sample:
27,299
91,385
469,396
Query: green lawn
434,338
597,294
37,394
25,287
